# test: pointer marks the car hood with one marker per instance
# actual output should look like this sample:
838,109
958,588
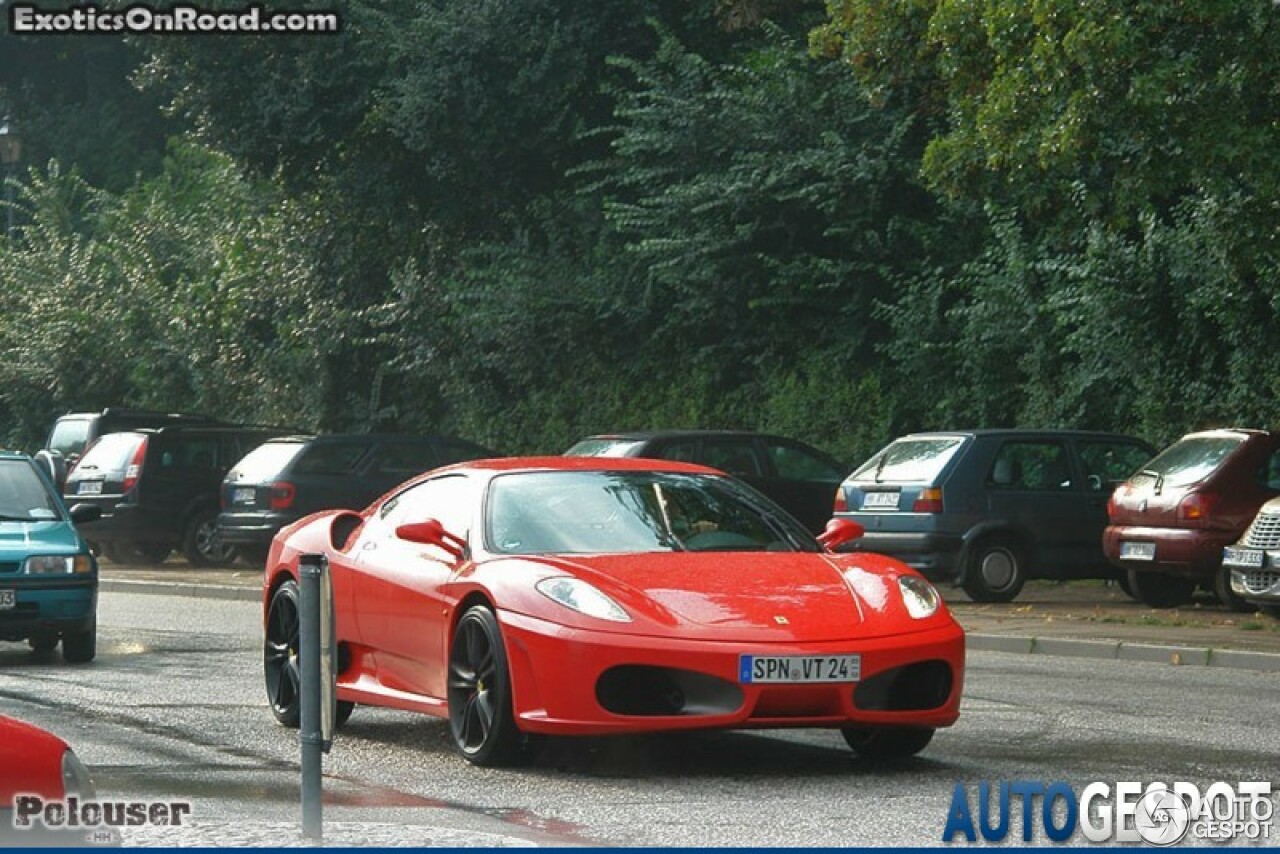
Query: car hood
759,596
19,539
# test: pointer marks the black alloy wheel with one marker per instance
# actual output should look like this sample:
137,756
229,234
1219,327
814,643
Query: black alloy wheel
480,717
887,742
1161,590
280,665
202,546
996,571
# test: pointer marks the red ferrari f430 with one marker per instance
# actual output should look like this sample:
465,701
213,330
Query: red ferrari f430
586,596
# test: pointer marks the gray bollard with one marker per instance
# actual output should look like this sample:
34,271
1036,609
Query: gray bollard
310,736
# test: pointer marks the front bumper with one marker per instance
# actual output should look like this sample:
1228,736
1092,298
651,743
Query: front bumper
561,680
48,606
1257,584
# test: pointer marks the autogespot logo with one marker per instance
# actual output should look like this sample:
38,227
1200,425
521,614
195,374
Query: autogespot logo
1157,813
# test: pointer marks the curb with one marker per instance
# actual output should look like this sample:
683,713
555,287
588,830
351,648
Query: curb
1125,651
181,588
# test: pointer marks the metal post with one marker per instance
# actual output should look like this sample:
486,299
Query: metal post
310,569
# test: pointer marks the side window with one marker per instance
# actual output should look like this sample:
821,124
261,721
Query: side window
1268,476
334,458
191,453
682,451
794,463
447,499
1108,464
405,458
735,456
1031,465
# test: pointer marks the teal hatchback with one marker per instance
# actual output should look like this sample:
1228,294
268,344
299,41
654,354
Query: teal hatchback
48,577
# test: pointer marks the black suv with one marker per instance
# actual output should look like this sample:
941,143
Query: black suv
991,508
287,478
797,476
75,431
158,490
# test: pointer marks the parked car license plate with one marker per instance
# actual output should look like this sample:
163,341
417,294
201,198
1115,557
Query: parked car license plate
1137,551
880,501
1249,558
89,487
244,495
798,669
8,600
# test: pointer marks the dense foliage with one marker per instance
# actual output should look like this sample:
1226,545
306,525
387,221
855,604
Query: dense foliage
527,220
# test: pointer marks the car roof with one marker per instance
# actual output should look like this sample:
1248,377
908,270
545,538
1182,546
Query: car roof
508,464
646,435
1032,432
338,438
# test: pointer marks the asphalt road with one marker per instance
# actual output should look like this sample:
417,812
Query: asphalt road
173,709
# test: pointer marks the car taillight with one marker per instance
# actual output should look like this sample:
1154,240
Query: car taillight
135,467
928,501
841,504
280,495
1111,507
1197,507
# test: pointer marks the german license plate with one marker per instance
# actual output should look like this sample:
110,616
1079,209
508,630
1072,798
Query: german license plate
1137,551
89,487
1248,558
244,495
798,669
8,600
880,501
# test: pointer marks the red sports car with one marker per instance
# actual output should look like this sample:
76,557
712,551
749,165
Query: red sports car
563,595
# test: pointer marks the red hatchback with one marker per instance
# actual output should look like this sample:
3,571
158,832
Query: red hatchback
1170,521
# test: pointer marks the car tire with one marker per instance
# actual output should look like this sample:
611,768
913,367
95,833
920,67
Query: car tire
479,693
1123,581
1161,590
82,646
43,643
1272,611
995,572
280,660
1222,589
201,545
887,742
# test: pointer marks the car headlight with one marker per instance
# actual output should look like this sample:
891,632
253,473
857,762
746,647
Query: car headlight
583,598
75,777
919,596
57,564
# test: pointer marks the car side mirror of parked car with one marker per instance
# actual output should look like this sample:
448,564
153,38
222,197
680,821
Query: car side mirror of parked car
81,513
838,532
432,533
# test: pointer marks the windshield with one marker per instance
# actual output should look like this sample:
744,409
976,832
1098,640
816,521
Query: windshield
265,462
604,448
1190,460
633,513
909,461
111,452
23,495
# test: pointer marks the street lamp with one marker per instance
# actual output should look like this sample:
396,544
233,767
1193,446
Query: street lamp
10,154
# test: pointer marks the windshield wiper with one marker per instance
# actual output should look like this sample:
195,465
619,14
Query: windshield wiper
1159,480
884,458
5,517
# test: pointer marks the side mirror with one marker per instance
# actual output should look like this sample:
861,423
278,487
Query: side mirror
839,532
81,513
432,533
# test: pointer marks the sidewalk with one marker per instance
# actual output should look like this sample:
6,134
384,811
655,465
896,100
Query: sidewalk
1083,618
